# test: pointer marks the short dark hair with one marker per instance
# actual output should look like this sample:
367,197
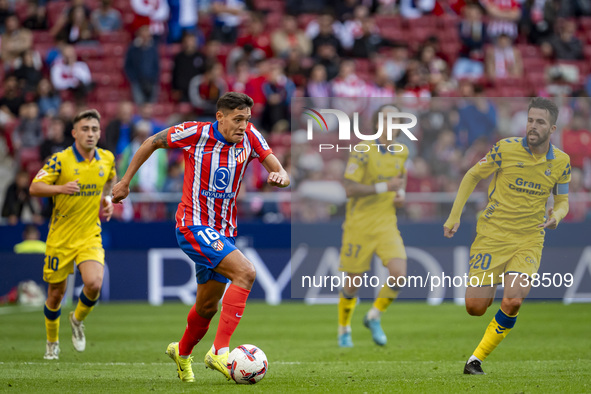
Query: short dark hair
88,114
548,105
233,100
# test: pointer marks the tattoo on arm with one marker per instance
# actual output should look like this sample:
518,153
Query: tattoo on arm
160,139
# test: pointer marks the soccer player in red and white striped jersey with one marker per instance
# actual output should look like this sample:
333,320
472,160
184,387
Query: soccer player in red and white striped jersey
216,156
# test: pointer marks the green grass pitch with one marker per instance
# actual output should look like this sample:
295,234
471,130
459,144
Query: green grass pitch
548,351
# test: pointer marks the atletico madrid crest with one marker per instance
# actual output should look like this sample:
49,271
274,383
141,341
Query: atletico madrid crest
218,245
240,155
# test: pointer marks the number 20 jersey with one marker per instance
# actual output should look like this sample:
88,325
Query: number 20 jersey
213,172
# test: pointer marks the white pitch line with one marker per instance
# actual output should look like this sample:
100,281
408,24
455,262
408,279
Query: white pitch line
9,310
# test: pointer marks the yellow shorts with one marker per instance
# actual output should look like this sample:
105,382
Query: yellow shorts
59,263
490,259
358,248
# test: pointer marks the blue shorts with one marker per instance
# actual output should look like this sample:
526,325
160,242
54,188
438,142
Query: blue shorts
207,248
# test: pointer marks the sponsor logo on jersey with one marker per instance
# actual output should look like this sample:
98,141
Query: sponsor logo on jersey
218,245
41,174
240,155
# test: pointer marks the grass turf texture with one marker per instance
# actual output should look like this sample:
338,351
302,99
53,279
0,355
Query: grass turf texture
548,351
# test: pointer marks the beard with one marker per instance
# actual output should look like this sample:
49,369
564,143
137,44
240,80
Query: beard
542,139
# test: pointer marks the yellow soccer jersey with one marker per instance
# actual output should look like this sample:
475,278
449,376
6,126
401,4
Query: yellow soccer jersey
75,217
368,168
520,187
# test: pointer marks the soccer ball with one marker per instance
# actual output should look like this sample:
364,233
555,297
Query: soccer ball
247,364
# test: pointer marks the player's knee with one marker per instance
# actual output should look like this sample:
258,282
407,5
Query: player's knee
54,297
476,309
93,286
248,273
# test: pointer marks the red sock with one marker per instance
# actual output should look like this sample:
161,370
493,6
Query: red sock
196,328
232,309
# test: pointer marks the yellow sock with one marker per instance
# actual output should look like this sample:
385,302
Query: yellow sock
346,308
496,331
52,322
85,305
385,298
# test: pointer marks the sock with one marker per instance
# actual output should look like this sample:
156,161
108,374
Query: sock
52,322
382,302
85,305
472,358
233,306
347,305
496,331
196,328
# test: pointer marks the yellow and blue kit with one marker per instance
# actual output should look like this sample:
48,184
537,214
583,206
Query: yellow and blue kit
75,227
370,224
508,237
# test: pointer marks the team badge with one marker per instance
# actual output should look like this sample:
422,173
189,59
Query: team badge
218,245
240,155
548,172
76,171
101,172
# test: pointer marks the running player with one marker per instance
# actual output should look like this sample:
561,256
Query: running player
374,183
216,155
510,231
79,179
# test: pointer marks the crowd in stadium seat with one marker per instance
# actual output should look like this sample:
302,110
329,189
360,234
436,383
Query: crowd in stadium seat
147,65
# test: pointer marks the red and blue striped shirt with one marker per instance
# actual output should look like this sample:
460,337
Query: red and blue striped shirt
213,172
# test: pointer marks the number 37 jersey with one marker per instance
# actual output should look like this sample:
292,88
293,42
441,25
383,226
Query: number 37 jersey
213,172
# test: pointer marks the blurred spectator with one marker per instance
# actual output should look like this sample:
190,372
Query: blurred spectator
28,133
11,100
188,63
70,74
328,57
31,242
28,71
347,83
55,52
206,89
152,175
352,29
14,41
66,113
36,16
412,9
47,99
238,81
569,9
576,141
538,19
55,141
432,123
380,86
146,113
5,12
578,202
288,36
503,16
477,118
503,60
153,14
433,68
228,16
473,35
17,198
296,67
420,180
324,32
66,17
118,131
106,19
368,42
142,67
396,62
564,45
445,158
278,91
173,184
77,27
256,36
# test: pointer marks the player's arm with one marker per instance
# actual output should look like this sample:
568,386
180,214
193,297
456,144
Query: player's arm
41,189
106,199
149,146
401,193
356,189
560,209
277,174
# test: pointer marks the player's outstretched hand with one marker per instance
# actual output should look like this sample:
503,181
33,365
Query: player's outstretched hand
277,179
107,207
70,187
550,222
450,232
400,198
120,191
395,183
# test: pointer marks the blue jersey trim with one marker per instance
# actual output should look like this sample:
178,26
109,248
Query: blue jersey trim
549,154
504,320
217,135
79,157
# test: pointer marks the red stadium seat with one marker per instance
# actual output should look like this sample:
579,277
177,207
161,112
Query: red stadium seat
88,51
388,21
54,9
114,50
305,19
117,37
